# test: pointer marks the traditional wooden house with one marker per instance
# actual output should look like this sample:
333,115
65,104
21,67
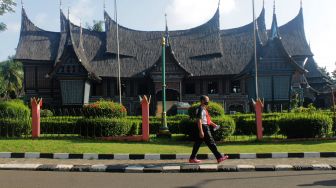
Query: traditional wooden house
76,66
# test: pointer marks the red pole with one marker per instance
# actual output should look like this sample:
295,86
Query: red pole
145,118
258,109
36,109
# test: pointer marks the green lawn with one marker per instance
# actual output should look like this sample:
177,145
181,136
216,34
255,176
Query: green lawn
76,145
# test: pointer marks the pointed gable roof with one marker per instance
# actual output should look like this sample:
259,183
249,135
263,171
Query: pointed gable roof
294,37
238,44
35,43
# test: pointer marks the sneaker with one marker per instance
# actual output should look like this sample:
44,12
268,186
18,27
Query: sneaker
216,128
222,159
194,161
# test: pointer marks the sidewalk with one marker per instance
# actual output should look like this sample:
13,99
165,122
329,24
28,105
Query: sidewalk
168,166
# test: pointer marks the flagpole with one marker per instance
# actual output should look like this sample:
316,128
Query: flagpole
255,51
118,49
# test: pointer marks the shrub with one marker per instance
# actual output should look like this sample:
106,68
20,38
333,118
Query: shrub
46,113
214,109
60,125
14,127
104,108
305,125
189,127
14,109
247,126
104,127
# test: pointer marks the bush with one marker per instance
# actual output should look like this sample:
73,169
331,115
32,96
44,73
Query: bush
60,125
189,127
104,127
104,108
305,125
214,109
14,127
46,113
247,126
14,109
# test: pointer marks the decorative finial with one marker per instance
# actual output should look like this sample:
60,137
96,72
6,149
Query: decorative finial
22,4
219,2
300,3
60,4
104,5
68,13
263,3
274,7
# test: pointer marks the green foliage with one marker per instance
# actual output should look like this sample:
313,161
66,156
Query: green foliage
247,126
12,77
60,125
310,109
14,127
305,125
104,127
5,7
214,109
97,26
15,109
46,113
103,108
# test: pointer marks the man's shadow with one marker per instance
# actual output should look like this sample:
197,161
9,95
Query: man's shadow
326,183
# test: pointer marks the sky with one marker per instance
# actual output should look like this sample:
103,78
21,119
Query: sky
148,15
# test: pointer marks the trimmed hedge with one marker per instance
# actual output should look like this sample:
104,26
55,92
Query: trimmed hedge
305,125
189,127
247,126
60,125
15,127
46,113
104,127
214,109
104,108
15,109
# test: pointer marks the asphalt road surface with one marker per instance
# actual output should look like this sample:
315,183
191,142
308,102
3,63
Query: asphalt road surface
32,179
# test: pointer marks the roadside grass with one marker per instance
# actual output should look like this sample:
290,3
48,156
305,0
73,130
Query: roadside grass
165,146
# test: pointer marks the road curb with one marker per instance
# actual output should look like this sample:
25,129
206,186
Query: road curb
149,156
183,168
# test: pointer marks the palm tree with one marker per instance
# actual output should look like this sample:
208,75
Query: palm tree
12,73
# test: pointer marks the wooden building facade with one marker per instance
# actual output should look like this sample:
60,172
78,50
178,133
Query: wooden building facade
76,66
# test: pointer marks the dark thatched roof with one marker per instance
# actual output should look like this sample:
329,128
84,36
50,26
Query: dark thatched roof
201,51
294,37
35,43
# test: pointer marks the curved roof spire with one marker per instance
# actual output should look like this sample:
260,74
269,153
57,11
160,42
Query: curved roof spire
167,32
22,4
60,4
104,5
274,28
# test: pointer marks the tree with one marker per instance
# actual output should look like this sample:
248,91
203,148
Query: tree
325,72
12,76
97,26
333,73
5,7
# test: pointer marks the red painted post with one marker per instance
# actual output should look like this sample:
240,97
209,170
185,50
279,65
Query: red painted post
145,118
36,105
258,109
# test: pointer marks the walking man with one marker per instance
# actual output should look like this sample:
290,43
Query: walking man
203,121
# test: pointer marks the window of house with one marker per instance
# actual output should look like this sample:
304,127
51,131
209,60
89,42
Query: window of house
190,88
212,87
235,87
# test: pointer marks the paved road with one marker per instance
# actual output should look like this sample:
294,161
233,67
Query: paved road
27,179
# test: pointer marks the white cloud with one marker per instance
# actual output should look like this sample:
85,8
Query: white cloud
83,11
190,13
